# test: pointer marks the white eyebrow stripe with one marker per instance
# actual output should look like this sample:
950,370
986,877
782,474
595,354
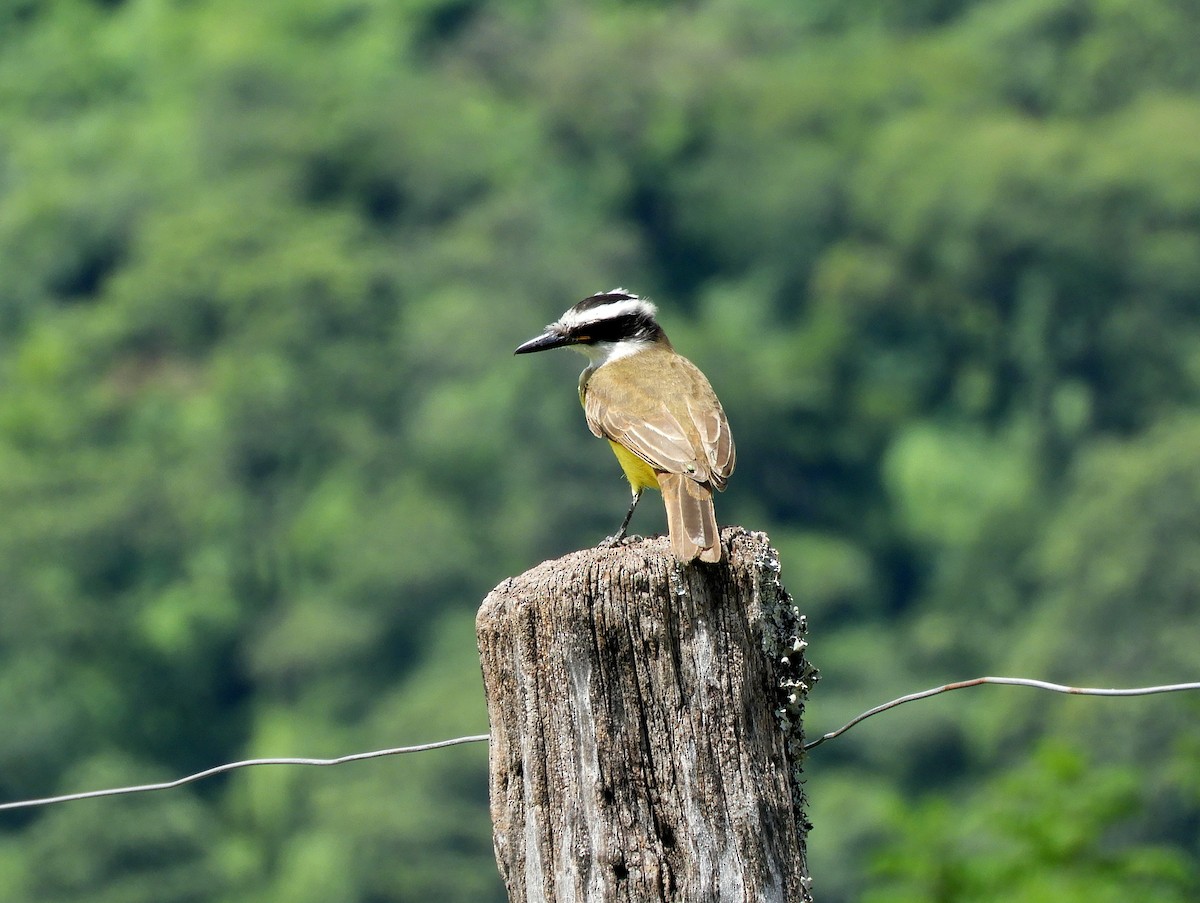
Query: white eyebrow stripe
573,319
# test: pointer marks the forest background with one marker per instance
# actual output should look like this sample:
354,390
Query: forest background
264,446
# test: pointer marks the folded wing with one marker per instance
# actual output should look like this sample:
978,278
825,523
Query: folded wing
680,431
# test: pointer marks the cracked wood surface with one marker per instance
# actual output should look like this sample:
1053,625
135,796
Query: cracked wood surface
645,727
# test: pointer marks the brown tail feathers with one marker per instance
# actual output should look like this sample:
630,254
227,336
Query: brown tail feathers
691,520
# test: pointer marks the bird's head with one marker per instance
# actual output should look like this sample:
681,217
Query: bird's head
603,326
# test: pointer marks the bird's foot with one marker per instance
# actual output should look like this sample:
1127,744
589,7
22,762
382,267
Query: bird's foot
618,539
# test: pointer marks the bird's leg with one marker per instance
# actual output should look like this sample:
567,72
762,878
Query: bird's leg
637,497
616,538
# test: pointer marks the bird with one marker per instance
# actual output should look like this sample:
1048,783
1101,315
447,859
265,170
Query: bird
656,409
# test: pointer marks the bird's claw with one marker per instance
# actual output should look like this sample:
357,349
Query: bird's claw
618,539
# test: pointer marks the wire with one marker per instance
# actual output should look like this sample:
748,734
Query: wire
221,769
1005,681
480,738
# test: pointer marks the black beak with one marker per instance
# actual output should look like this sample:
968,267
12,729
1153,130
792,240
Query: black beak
547,340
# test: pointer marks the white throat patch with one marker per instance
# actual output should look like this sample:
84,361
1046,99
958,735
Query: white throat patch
601,353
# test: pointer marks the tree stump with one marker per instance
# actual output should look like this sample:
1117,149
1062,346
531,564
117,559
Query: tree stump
646,735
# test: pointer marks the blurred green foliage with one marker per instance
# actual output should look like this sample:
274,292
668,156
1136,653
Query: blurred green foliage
263,447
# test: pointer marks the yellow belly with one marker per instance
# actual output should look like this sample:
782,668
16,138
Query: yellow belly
639,474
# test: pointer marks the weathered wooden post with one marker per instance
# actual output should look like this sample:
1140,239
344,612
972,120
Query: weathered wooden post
646,727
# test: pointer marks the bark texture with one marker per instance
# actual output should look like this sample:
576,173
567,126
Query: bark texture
646,727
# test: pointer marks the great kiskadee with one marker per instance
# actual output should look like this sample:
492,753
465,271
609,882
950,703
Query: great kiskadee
655,408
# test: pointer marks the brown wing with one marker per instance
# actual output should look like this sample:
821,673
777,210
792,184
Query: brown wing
660,407
654,436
